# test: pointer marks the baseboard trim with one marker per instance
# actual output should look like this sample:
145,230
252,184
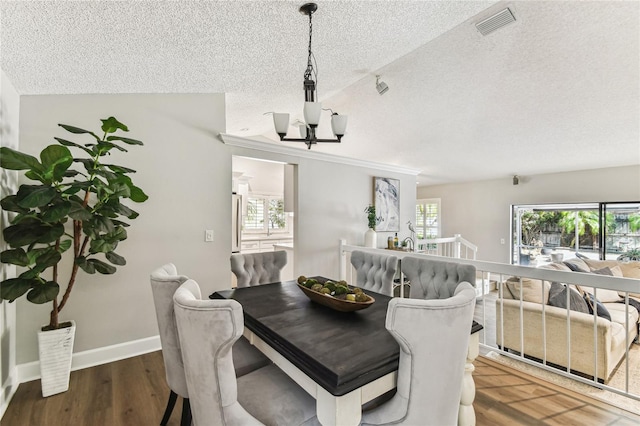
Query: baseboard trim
31,370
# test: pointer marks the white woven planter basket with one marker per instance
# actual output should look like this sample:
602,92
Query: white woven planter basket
56,350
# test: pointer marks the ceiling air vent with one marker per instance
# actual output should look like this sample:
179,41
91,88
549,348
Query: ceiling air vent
497,21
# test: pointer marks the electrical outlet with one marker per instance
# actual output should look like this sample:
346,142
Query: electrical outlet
502,241
208,235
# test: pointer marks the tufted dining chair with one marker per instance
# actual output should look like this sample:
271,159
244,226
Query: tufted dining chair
436,279
246,358
207,331
258,268
433,335
374,271
164,282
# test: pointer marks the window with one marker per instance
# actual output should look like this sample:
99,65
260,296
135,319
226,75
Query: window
265,214
596,230
428,218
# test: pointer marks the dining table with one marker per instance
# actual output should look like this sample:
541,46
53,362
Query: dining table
342,359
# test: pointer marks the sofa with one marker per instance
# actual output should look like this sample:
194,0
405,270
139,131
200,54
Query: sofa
611,333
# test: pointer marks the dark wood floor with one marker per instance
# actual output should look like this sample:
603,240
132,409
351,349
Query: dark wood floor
134,392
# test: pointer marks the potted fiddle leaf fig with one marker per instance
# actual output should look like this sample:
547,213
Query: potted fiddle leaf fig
72,210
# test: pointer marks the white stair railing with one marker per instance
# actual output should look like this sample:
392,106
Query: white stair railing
455,246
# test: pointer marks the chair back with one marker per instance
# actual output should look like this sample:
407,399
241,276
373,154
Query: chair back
374,272
164,283
433,335
207,331
258,268
436,279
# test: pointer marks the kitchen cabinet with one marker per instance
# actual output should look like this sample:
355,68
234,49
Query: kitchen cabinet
262,245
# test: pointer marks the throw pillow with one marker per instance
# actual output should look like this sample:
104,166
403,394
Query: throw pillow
577,265
616,271
601,311
558,298
581,256
532,289
605,295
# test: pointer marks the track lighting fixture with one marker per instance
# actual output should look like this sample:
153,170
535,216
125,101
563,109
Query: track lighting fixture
381,86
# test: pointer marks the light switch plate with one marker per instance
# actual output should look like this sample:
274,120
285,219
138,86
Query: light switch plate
208,235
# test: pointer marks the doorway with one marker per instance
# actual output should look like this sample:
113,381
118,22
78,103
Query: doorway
265,190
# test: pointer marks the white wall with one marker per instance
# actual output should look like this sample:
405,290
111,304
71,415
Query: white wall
9,107
480,211
186,171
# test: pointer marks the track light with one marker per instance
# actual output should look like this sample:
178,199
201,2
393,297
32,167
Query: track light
381,86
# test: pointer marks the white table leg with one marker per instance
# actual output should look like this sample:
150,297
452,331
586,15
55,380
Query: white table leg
466,413
342,410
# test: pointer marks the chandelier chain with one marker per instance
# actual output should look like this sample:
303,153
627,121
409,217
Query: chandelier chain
308,74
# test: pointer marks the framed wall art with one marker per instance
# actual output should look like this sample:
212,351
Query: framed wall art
387,202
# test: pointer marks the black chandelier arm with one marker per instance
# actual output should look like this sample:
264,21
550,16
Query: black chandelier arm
283,139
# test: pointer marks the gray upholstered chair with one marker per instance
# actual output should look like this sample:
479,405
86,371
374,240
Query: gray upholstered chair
164,282
436,279
208,330
374,272
433,335
258,268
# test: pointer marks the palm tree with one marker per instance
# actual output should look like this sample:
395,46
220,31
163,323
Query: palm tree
583,219
634,222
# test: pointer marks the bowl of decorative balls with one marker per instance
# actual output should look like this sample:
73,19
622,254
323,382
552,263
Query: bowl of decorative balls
337,295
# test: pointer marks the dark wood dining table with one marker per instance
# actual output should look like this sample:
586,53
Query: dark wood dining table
343,359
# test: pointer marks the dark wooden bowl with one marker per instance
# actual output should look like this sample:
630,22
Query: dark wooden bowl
336,304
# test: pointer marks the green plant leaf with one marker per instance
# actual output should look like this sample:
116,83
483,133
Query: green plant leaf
137,194
120,234
77,130
38,175
56,212
102,267
75,187
127,212
30,231
30,196
78,212
111,124
82,262
109,175
13,288
125,140
116,259
119,169
15,257
10,204
64,245
30,274
11,159
104,147
48,259
69,143
43,293
56,159
102,246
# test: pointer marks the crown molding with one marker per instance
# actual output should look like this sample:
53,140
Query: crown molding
241,142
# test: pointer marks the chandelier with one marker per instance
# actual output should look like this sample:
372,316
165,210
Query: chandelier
312,109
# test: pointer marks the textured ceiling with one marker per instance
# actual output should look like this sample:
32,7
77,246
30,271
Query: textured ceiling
557,90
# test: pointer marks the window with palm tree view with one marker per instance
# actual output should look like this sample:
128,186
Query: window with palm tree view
548,232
